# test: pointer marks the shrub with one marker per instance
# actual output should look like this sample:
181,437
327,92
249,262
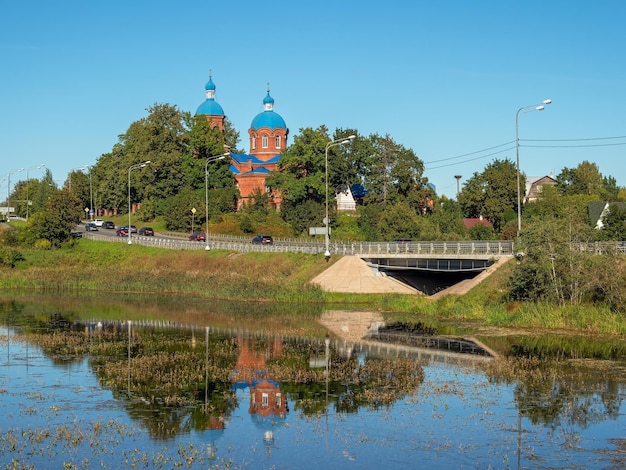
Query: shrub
10,256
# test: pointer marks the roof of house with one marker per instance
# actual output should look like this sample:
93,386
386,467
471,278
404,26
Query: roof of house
595,211
470,222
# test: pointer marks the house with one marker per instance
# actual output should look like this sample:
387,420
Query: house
534,185
344,199
471,222
597,211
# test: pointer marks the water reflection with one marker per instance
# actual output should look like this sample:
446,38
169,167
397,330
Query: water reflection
238,393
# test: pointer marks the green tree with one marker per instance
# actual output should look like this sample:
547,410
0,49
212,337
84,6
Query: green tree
55,223
554,266
614,223
492,193
301,171
584,179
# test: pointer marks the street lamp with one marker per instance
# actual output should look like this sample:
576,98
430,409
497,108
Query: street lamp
133,167
9,190
76,169
523,110
38,167
90,192
210,159
345,140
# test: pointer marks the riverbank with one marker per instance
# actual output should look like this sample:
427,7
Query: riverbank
281,278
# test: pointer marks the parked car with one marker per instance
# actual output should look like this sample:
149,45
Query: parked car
90,226
108,224
98,222
122,232
76,234
263,240
198,237
146,231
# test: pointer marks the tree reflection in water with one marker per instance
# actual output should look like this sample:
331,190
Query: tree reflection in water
184,380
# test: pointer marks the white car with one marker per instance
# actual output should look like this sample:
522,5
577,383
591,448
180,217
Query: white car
98,222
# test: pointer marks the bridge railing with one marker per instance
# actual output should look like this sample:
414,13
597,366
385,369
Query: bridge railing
243,244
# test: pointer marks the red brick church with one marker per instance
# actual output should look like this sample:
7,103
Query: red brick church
268,138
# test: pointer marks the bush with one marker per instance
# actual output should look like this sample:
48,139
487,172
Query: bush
10,256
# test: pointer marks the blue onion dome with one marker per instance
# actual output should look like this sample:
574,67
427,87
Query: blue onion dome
210,107
268,118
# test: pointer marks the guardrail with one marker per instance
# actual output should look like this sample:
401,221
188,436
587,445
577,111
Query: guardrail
457,248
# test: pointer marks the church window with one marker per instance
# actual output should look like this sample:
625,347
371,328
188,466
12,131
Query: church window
253,141
264,400
265,142
277,141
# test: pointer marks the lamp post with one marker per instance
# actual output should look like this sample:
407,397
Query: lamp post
345,140
38,167
210,159
523,110
9,190
133,167
76,169
90,193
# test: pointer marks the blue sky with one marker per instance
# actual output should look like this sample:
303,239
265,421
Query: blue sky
444,78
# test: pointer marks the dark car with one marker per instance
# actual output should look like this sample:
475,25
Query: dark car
108,224
90,226
146,231
198,237
263,240
122,232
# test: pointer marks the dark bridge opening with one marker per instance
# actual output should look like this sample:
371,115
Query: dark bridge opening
430,282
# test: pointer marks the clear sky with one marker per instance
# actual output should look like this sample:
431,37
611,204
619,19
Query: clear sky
444,78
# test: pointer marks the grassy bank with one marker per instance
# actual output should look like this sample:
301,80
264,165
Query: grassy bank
276,277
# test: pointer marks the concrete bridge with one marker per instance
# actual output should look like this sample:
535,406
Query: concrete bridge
442,256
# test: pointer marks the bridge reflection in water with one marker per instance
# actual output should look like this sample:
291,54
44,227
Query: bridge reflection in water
379,342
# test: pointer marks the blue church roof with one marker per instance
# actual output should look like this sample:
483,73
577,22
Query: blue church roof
243,158
268,119
210,108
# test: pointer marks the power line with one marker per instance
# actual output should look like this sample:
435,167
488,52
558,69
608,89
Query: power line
427,167
574,140
471,153
469,160
575,146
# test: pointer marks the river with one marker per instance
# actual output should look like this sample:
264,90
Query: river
175,383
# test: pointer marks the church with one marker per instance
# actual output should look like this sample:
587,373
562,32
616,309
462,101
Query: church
268,138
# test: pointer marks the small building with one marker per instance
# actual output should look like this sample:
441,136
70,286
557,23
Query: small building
344,199
534,185
597,211
471,222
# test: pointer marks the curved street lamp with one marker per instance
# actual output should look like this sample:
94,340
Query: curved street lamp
38,167
9,190
210,159
523,110
133,167
345,140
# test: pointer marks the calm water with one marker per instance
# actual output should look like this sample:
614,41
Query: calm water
159,395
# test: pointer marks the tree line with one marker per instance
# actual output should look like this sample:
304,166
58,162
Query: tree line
397,200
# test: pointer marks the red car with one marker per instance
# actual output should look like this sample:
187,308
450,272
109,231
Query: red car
198,237
122,232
